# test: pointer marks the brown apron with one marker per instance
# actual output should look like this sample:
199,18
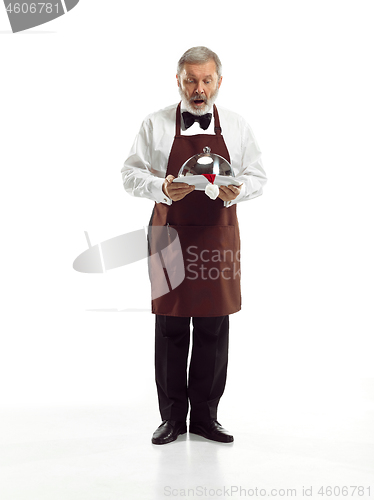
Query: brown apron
208,234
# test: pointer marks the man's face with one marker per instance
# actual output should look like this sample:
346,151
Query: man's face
198,86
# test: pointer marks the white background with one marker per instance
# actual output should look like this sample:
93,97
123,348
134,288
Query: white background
73,95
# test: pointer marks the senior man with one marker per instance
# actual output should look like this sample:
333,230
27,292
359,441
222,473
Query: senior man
207,229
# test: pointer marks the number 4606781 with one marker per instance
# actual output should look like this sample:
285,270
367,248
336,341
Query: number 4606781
32,8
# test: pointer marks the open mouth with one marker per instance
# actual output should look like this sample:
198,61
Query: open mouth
199,102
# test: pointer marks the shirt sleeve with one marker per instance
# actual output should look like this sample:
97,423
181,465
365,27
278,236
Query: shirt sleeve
251,172
137,175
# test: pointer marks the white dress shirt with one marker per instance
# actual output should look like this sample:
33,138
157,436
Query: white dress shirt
143,173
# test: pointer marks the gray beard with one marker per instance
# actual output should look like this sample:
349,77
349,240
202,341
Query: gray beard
198,112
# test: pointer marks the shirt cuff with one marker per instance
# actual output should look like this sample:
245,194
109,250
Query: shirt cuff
157,192
238,198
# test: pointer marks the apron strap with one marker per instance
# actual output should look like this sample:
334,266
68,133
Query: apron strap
178,121
217,125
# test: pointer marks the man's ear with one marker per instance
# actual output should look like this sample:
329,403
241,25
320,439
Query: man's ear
219,82
178,80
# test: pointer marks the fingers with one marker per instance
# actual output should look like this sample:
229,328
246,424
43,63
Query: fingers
231,187
178,190
228,193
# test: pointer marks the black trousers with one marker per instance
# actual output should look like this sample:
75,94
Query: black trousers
207,370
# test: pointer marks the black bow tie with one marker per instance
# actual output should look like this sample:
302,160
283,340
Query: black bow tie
189,119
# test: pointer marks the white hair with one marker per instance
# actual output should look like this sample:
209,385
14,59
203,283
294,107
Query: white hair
199,55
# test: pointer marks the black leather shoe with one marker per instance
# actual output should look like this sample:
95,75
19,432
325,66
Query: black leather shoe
211,430
168,431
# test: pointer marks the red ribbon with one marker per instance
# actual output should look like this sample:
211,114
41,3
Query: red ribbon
210,177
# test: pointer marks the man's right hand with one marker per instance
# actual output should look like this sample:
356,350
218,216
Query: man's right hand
176,190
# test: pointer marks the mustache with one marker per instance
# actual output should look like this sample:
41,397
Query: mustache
198,97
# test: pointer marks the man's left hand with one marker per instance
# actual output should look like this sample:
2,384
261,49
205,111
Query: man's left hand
228,193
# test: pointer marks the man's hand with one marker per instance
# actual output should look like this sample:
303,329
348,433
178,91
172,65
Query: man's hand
228,193
176,190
